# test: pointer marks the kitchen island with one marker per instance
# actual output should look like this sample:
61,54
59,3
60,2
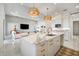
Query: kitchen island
38,44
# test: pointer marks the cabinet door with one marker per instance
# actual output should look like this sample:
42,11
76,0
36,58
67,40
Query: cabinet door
57,44
27,48
41,52
61,40
67,39
76,43
51,47
42,49
51,50
66,36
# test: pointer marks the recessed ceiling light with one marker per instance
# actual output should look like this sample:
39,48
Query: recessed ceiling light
56,13
77,6
21,3
14,13
54,3
65,10
54,18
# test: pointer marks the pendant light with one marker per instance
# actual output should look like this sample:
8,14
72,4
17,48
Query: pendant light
47,17
33,11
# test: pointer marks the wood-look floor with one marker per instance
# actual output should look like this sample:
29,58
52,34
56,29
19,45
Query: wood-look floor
67,52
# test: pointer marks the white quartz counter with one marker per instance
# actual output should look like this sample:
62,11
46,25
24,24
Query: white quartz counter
36,38
40,44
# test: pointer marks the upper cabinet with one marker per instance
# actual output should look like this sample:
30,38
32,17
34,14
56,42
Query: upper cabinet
2,12
64,20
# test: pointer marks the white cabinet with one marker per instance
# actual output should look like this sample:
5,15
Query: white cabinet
2,17
76,43
53,46
1,33
31,49
41,48
67,39
27,49
61,40
45,48
57,44
67,35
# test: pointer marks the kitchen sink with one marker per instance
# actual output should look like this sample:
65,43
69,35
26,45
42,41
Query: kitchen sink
51,34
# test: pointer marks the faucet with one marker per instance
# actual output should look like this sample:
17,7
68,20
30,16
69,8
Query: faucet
49,30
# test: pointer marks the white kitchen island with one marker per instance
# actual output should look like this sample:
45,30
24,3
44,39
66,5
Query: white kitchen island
43,45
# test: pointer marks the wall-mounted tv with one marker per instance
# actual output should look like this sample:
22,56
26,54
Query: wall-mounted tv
24,26
57,25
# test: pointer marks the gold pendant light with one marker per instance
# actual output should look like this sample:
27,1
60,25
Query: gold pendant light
47,17
33,11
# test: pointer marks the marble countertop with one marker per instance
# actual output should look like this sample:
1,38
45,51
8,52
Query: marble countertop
36,38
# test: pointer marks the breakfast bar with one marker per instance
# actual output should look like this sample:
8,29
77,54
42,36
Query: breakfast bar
41,45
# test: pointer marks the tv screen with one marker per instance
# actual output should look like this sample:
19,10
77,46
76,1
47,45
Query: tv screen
24,26
57,25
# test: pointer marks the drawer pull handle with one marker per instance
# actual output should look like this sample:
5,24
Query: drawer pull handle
57,40
43,50
51,44
51,40
43,54
42,44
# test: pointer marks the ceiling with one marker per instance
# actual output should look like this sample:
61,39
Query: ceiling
54,9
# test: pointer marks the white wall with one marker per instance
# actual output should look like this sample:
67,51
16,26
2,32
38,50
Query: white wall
69,40
2,17
19,10
20,16
56,20
12,20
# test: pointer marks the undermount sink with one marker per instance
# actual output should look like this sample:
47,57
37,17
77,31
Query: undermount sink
51,34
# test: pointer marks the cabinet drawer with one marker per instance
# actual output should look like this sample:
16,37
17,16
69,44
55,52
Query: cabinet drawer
51,40
41,52
41,45
50,44
58,40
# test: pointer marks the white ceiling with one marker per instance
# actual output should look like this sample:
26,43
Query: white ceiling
54,9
